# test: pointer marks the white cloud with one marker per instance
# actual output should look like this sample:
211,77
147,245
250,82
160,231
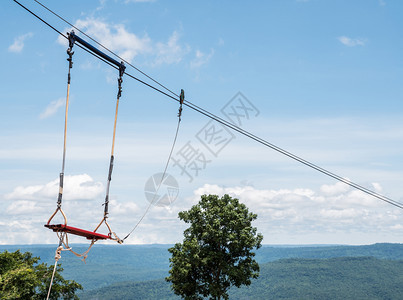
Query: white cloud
119,208
114,37
89,65
335,189
201,58
352,42
128,45
139,1
21,207
397,227
76,187
52,108
331,208
101,5
331,213
377,187
347,213
381,2
170,52
284,215
21,232
18,44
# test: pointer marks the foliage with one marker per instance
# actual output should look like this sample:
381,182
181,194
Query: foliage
335,278
217,250
111,263
381,250
146,290
21,277
127,272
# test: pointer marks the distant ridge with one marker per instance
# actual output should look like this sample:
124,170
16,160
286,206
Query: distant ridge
295,278
108,264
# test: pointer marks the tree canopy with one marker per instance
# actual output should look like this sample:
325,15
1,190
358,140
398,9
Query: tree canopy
217,250
21,277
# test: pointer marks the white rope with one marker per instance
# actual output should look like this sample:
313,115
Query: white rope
57,257
162,180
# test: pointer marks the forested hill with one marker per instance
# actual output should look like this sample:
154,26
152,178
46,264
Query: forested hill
381,250
109,264
333,278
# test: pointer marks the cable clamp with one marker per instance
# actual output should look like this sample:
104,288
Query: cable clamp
181,99
122,69
70,52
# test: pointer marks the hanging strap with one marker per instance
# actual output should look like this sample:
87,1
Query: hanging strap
70,53
106,203
70,60
120,80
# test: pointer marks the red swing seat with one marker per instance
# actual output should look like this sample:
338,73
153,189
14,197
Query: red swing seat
90,235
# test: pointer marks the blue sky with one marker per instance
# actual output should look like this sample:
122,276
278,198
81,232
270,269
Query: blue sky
322,79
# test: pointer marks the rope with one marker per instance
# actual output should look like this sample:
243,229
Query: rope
65,241
182,97
57,257
83,255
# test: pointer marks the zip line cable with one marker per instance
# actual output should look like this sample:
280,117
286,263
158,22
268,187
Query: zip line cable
105,61
295,157
39,18
110,51
230,125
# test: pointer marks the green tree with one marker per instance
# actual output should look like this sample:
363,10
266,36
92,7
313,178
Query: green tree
21,277
217,250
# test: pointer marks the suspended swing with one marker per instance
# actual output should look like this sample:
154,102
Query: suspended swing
63,229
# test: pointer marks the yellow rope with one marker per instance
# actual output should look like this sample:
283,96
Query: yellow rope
114,126
65,123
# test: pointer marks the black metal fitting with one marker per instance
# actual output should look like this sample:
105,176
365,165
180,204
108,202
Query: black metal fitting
181,99
182,96
111,168
70,52
59,199
122,69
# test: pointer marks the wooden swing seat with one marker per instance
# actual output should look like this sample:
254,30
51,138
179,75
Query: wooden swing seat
90,235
